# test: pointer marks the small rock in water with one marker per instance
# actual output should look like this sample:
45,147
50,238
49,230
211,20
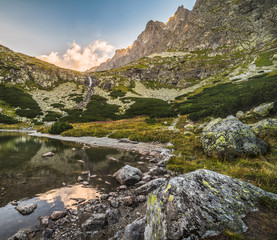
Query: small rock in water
99,179
27,209
64,184
19,236
104,196
57,215
44,220
80,179
14,203
85,172
49,154
112,159
93,176
107,182
141,163
81,161
73,149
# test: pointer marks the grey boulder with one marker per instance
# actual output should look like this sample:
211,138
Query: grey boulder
264,109
128,175
150,186
19,236
96,221
229,138
200,204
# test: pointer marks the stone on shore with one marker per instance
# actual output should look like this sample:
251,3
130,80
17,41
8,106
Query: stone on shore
128,175
26,209
96,221
21,235
57,215
229,138
200,204
150,186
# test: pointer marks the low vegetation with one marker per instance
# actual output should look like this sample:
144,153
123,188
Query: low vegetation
228,98
59,127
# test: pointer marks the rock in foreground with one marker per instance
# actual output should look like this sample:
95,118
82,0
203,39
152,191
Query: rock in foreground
27,209
200,204
229,138
128,175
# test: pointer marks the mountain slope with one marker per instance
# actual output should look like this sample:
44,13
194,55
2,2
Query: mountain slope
22,69
239,24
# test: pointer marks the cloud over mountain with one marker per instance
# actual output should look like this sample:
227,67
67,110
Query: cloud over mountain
81,59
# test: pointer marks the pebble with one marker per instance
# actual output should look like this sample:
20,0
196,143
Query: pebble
81,161
80,179
49,154
14,203
85,183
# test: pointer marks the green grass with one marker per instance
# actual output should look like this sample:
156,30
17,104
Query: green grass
265,59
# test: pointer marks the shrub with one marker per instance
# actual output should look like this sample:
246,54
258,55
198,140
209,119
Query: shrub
59,127
52,116
117,94
155,108
7,120
228,98
31,113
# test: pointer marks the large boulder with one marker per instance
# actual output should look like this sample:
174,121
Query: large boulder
229,138
264,109
200,204
128,175
265,127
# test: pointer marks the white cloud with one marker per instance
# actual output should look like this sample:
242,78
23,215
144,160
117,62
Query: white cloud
81,59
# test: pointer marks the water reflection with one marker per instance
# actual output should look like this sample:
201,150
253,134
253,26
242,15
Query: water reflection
24,173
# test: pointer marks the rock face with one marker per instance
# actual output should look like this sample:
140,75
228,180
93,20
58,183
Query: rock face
265,127
229,138
128,175
264,109
200,204
27,209
204,27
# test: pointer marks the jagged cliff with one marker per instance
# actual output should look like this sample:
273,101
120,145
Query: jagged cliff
243,24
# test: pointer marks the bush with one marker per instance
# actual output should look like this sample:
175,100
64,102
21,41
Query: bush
228,98
52,116
59,127
18,98
117,94
155,108
7,120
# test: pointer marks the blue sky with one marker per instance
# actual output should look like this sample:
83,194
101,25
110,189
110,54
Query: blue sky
39,27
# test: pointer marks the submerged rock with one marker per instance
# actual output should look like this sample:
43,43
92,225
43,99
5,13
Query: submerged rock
200,204
264,109
128,175
229,138
27,209
265,127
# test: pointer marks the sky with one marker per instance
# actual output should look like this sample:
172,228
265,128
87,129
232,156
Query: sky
78,34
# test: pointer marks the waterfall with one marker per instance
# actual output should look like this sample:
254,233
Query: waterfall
90,81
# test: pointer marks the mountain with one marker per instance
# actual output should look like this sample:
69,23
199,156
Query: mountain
18,68
243,24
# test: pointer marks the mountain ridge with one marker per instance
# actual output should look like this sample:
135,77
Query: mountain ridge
210,24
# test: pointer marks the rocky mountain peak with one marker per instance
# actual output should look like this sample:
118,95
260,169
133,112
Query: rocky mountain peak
243,24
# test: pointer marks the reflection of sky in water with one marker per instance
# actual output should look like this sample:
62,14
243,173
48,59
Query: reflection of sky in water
26,174
66,193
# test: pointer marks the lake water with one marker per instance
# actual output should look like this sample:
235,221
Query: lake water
51,182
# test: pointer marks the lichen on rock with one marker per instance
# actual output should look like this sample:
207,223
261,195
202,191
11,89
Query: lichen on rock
200,204
229,138
265,127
